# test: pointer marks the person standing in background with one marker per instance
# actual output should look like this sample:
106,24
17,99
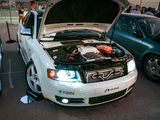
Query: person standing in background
129,10
44,6
32,5
29,6
21,13
136,11
149,11
154,12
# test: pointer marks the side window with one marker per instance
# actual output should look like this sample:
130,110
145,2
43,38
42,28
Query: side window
24,22
30,23
148,25
127,24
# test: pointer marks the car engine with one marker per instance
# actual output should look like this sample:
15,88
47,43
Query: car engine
95,62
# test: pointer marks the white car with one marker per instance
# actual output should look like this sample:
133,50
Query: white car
69,60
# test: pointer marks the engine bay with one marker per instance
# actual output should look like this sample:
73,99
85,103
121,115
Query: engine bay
95,61
79,54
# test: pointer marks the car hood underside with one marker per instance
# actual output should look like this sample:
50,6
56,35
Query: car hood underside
98,15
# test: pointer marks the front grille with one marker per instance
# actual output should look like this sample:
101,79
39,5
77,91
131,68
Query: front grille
100,99
104,74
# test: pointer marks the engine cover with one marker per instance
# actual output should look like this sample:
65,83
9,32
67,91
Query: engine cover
91,56
87,49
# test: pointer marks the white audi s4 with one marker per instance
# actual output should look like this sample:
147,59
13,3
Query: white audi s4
69,60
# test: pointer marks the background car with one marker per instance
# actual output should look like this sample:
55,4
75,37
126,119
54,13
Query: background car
140,34
1,54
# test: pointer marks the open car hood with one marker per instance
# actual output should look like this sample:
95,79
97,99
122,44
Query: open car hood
96,15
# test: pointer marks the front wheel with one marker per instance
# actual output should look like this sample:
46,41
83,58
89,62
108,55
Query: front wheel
32,78
151,67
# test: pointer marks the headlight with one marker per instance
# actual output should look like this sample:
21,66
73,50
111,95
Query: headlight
131,65
64,75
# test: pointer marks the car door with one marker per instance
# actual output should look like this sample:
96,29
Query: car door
27,24
124,31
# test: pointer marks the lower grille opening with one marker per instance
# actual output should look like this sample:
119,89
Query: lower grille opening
105,98
70,100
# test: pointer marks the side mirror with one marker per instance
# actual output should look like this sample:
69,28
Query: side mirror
26,32
137,34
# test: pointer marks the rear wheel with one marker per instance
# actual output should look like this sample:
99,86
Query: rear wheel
151,67
32,78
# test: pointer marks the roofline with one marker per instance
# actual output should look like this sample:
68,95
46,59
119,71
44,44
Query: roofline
138,15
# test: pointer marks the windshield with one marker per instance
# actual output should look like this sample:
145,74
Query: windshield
150,25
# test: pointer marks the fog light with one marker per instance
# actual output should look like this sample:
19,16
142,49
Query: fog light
65,101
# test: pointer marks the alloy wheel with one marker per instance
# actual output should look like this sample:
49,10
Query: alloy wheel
32,78
151,67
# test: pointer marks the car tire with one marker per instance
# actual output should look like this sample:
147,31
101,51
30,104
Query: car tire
32,78
151,67
18,46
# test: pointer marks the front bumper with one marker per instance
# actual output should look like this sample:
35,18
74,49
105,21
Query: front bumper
89,94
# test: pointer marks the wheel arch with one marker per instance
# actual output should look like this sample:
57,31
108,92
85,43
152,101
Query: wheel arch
147,54
36,63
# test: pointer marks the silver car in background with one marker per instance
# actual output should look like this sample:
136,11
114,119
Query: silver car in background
1,54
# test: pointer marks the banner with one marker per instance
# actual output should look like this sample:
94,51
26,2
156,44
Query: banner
5,4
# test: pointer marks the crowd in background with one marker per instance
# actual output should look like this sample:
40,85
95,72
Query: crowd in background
31,6
150,11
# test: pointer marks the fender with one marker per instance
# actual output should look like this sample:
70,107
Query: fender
42,62
148,53
37,65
